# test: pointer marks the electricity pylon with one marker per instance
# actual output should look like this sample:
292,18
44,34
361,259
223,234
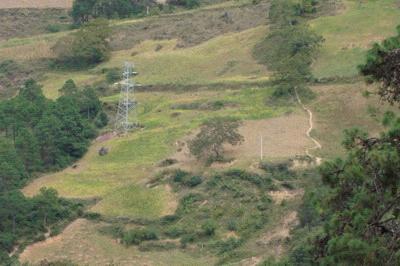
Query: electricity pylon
126,118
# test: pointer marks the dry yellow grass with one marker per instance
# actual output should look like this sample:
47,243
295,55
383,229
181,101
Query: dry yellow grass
41,49
35,4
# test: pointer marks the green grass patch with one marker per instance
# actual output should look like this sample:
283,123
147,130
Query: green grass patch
208,63
131,158
351,32
135,201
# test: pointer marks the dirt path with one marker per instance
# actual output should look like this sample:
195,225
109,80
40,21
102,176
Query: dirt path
308,133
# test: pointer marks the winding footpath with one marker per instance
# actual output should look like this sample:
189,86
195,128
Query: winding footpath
317,145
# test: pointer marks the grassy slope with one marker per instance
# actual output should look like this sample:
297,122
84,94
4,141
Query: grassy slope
349,34
342,106
209,62
119,177
133,157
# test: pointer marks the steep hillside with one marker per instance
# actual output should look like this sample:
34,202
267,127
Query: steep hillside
195,65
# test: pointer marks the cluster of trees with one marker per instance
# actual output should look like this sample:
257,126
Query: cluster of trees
88,46
41,134
290,47
355,218
37,135
24,220
84,10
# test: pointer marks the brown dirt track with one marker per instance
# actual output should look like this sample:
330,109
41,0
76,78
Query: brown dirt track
35,4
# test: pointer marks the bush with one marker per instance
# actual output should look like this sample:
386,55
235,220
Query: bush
228,245
278,169
157,246
115,231
86,47
209,228
92,216
187,202
53,28
7,241
179,175
175,232
101,120
193,181
136,236
259,181
168,219
188,238
167,162
113,75
232,225
184,178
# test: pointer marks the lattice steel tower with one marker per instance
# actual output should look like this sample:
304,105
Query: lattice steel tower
126,118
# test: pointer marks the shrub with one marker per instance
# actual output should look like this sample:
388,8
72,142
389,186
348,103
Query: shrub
187,202
167,162
175,232
188,238
156,246
179,175
209,228
7,241
169,219
232,225
115,231
194,181
136,236
223,246
87,47
184,178
53,28
101,120
113,75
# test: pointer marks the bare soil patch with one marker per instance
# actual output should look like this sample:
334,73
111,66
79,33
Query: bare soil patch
283,137
275,238
281,195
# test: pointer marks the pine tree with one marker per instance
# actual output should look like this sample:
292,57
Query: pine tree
28,150
69,88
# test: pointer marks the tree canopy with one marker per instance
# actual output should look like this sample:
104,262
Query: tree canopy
88,46
383,66
208,143
37,135
289,48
